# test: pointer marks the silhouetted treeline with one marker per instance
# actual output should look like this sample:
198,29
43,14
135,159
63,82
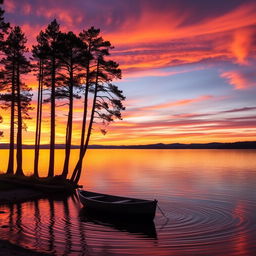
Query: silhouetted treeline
68,67
214,145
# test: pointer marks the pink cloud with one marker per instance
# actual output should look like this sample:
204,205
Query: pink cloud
27,8
240,79
9,6
242,44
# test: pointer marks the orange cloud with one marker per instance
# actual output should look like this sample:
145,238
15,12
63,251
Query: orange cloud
167,25
243,44
170,43
240,80
169,40
133,63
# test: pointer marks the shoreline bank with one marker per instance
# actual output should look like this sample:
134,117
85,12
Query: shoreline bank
9,249
19,195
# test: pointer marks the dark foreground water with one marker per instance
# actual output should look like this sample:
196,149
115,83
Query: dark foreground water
209,197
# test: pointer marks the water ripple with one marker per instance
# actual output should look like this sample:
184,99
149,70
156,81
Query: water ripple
194,227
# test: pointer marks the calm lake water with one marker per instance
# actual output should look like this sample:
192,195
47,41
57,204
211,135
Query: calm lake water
208,197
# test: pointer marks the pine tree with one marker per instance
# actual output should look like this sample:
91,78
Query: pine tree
3,31
107,98
18,98
39,55
8,99
51,67
72,57
1,120
94,42
4,26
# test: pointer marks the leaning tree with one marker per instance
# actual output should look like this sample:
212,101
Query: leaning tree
106,97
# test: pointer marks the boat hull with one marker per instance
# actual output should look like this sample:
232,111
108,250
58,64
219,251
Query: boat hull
139,209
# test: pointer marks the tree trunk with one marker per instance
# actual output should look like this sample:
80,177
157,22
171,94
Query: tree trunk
52,138
38,119
85,103
78,168
10,169
69,127
84,114
19,170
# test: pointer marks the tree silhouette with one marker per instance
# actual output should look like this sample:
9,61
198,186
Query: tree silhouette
3,31
18,98
8,99
39,52
107,98
51,46
1,132
4,26
72,55
95,44
91,39
1,88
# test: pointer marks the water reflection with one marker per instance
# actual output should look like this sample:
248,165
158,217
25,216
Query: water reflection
49,225
37,220
62,227
208,196
67,228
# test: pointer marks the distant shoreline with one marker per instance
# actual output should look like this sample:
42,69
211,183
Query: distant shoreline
213,145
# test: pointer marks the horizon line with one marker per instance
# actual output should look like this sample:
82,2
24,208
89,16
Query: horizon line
237,144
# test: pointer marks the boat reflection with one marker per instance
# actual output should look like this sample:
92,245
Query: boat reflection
145,228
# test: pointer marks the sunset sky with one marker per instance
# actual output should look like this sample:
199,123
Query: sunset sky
189,67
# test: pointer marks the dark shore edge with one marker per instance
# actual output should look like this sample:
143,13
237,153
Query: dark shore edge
9,249
19,195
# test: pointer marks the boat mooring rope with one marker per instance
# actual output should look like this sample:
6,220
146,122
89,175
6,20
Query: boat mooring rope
162,211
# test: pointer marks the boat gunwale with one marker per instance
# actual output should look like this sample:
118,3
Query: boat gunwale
136,200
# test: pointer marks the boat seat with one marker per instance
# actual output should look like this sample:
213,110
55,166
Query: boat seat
122,201
93,197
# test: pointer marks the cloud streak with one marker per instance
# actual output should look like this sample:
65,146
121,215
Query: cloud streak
240,80
178,103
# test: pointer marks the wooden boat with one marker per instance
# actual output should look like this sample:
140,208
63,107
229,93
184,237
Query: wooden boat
122,207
